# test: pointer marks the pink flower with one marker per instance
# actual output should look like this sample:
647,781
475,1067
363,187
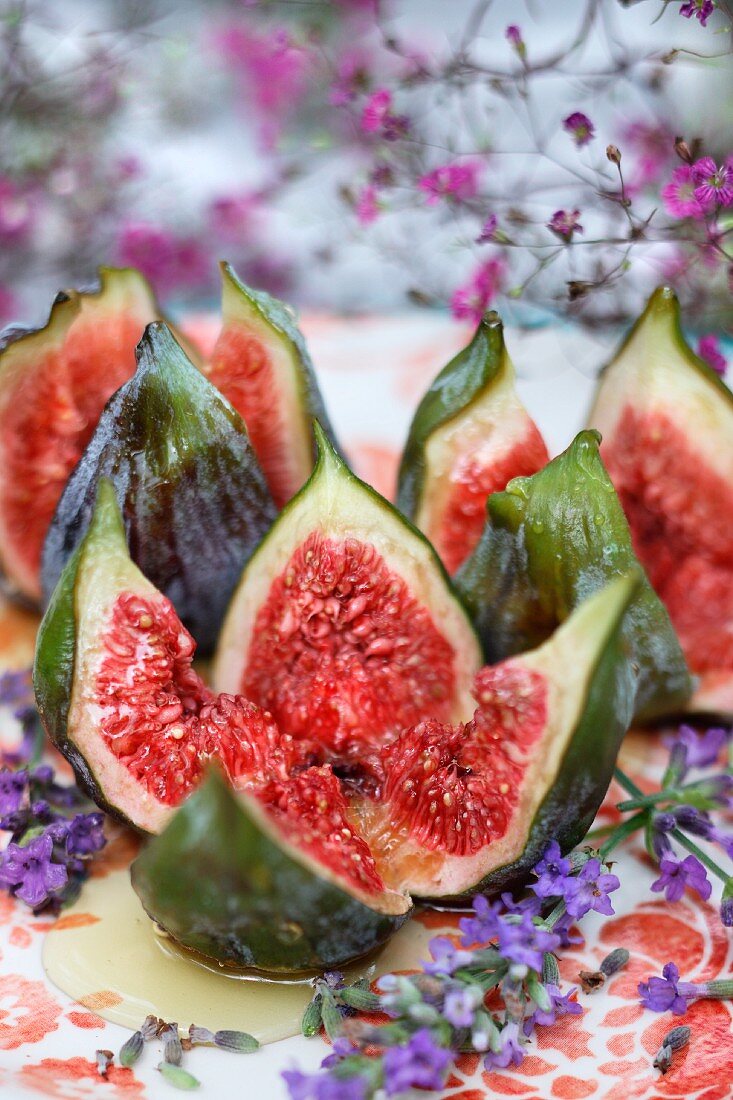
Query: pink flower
514,35
564,223
701,9
457,180
367,207
231,216
713,185
352,77
376,109
653,144
470,301
273,70
170,262
679,196
488,230
580,127
708,348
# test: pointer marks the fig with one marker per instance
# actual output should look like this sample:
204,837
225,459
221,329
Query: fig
54,383
281,884
344,625
470,808
261,364
469,437
193,497
667,423
552,539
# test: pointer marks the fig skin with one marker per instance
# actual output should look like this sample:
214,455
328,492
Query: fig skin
222,883
193,497
552,539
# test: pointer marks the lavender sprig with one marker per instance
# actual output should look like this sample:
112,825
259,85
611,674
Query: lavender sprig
53,833
436,1014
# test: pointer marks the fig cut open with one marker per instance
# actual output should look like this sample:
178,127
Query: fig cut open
54,383
469,437
261,364
470,808
667,424
344,624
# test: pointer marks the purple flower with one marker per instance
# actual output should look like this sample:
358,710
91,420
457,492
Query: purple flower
692,820
701,9
668,993
481,928
589,890
708,348
13,787
459,181
560,1005
168,261
420,1063
523,943
488,230
564,223
470,301
703,749
342,1048
321,1086
511,1050
459,1006
85,834
30,871
447,958
726,912
352,77
676,875
15,687
712,184
580,127
553,871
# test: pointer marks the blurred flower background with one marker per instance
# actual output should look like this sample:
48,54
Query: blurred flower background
359,155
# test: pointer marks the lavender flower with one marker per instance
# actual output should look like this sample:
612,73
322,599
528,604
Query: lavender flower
703,749
484,926
85,834
524,943
13,788
668,993
676,875
31,872
554,871
321,1086
420,1063
509,1049
580,127
589,890
460,1004
560,1005
447,958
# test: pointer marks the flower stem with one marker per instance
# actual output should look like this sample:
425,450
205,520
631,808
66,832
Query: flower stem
628,784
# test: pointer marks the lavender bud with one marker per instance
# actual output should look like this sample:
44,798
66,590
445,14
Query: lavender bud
239,1041
550,969
663,1059
333,1021
615,961
172,1049
104,1059
200,1035
363,1000
311,1021
150,1028
677,1038
131,1050
726,905
179,1078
